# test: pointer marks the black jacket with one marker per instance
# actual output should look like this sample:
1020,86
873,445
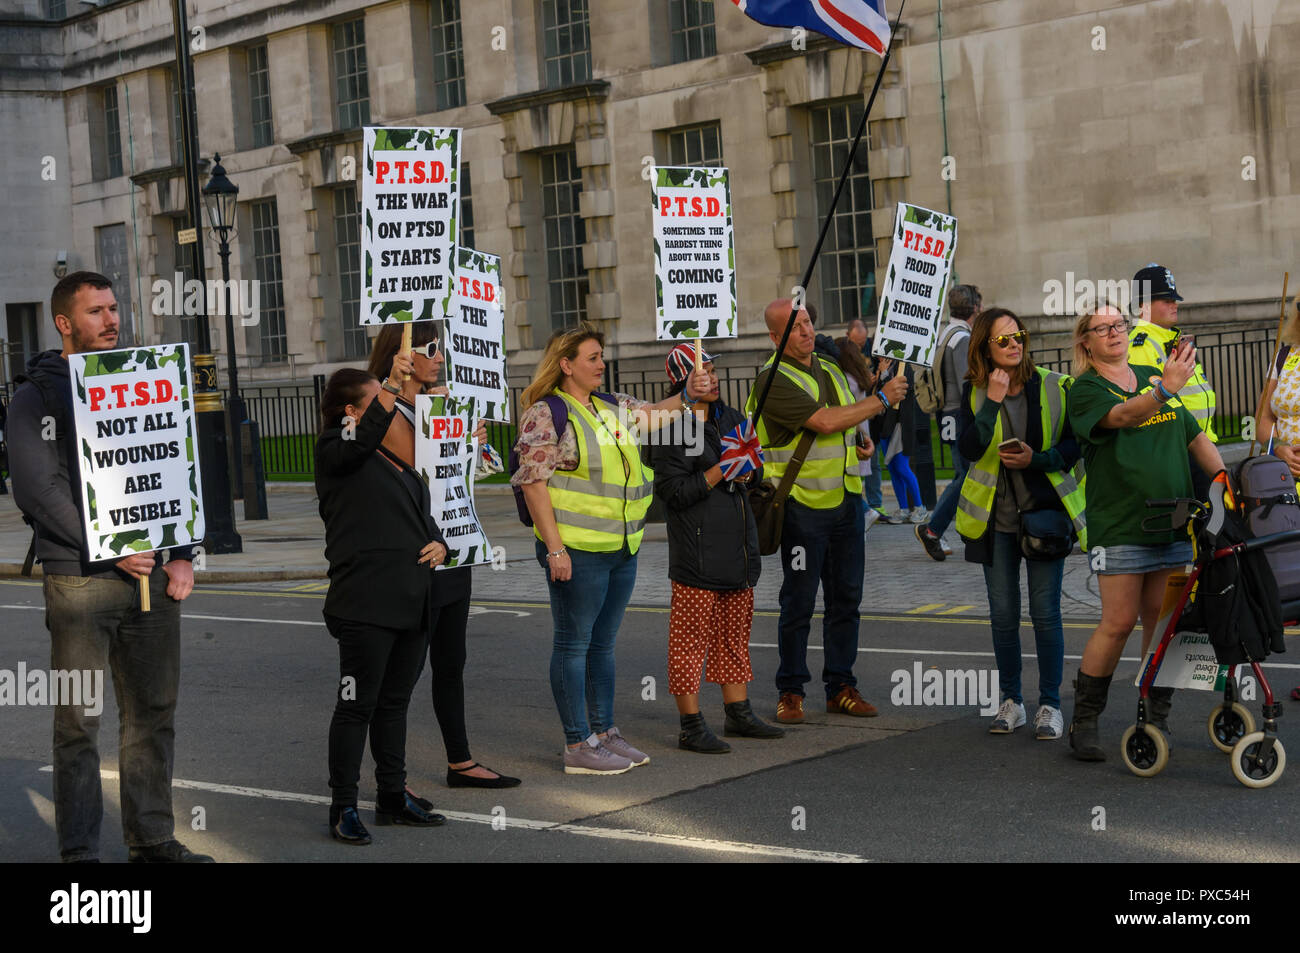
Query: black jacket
974,434
375,528
712,536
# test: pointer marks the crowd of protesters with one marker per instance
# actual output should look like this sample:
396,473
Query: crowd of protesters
1136,417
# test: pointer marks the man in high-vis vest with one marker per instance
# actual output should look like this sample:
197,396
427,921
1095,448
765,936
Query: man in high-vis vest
822,533
1152,340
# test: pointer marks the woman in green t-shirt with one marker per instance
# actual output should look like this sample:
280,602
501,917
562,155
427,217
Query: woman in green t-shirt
1135,435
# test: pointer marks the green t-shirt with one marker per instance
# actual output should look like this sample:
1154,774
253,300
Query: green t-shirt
788,405
1129,466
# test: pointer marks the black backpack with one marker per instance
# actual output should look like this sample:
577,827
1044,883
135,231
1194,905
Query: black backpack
559,414
1267,498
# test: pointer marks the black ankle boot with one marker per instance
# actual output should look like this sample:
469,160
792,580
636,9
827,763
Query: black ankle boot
1090,694
1159,702
346,826
742,722
696,736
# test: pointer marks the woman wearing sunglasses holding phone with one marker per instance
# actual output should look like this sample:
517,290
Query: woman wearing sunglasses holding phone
450,594
1136,437
1019,500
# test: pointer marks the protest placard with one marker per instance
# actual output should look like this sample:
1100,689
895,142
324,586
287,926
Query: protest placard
140,484
476,346
410,204
695,255
916,285
445,452
1189,660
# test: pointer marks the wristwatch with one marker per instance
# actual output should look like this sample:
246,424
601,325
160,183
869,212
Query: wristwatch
391,388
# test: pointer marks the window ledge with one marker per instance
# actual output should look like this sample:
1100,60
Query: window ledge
592,89
337,137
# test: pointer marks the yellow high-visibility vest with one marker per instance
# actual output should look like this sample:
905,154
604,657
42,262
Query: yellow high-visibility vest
601,503
978,490
827,472
1149,345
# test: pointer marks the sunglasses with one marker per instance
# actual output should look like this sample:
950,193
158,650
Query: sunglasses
1004,340
1106,330
426,350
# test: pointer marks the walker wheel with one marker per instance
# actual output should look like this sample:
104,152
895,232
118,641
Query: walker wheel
1146,753
1229,725
1250,769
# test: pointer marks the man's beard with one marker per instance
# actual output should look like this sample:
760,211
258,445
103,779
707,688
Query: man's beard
89,342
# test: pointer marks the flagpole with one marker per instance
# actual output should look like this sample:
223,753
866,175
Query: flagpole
821,238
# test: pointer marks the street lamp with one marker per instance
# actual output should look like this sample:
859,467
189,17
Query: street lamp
220,196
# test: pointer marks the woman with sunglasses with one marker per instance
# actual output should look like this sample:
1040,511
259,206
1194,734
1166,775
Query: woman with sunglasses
1136,436
450,593
587,493
1013,427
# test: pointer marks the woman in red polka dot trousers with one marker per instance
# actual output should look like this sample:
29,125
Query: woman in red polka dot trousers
713,563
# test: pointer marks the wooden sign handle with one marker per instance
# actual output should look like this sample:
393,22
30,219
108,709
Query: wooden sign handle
699,367
406,346
1277,349
144,595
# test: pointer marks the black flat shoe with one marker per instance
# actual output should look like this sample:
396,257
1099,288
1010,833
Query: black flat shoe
168,852
457,778
346,826
410,814
424,802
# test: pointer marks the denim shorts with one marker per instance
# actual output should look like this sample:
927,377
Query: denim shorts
1131,559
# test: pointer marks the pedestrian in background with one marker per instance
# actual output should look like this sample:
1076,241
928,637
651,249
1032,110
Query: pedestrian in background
713,562
1136,437
898,442
964,303
587,492
1013,425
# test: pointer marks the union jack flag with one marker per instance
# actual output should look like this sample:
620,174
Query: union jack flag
741,451
860,23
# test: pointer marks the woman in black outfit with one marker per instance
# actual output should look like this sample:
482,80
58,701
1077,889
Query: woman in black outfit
449,598
381,544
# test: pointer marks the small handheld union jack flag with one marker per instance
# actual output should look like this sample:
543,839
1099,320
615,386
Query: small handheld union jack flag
741,451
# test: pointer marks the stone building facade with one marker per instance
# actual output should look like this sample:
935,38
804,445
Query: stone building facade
1073,137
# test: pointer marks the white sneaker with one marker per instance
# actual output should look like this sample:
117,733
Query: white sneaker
1009,717
918,515
946,544
870,518
895,519
1049,725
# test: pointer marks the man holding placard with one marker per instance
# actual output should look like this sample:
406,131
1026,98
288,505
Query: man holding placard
94,608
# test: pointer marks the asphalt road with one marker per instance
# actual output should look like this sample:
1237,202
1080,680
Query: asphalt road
919,783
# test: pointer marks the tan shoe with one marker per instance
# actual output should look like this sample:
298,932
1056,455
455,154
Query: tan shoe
789,710
848,701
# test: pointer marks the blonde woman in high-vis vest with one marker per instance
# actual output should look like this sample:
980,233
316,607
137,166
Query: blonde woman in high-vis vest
587,492
1015,432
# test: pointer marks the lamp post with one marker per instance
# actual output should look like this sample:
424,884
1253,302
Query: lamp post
220,196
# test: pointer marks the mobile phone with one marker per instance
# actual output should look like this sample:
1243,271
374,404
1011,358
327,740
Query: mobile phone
1009,445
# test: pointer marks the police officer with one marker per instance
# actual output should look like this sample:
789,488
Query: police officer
1152,340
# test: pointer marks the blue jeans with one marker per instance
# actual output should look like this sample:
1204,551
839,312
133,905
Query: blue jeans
946,509
587,611
96,624
1002,580
871,482
832,555
906,489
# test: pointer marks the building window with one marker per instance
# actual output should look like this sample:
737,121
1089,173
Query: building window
347,243
266,255
691,26
259,92
448,55
566,42
565,235
112,134
847,267
56,9
178,132
696,146
465,231
351,84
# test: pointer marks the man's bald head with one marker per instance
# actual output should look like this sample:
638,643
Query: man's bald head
802,337
857,333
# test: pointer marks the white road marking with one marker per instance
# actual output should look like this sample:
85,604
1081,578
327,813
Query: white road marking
645,837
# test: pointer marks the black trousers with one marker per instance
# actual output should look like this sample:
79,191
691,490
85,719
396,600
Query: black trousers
378,669
922,460
447,666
